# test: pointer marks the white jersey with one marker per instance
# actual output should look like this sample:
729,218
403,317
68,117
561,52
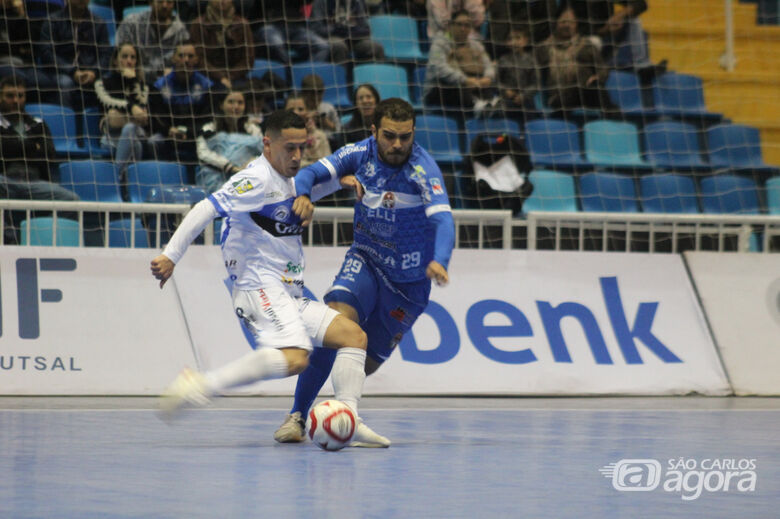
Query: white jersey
261,235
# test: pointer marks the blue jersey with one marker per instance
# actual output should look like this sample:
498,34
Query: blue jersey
392,225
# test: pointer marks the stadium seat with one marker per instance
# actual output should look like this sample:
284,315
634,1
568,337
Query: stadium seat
611,143
93,134
773,195
61,121
624,90
261,66
143,176
553,191
735,146
42,232
42,8
608,192
120,233
554,144
476,126
416,87
673,145
134,9
729,194
106,13
334,76
681,95
439,136
398,35
389,80
668,193
93,181
176,194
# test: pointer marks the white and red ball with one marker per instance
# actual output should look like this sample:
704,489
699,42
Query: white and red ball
331,425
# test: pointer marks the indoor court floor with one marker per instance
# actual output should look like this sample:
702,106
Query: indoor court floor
451,458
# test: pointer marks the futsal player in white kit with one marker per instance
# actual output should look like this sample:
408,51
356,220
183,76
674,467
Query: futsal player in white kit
263,252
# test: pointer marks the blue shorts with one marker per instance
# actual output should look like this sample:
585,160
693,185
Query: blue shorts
386,310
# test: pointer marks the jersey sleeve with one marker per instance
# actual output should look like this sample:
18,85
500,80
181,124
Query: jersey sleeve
433,191
322,178
242,193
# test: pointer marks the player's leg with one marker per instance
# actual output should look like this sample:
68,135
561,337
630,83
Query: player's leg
284,347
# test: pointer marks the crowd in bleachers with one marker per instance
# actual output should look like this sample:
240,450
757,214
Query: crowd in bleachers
569,83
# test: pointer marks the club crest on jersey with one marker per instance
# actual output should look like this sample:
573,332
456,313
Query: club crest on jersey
388,200
281,213
242,186
370,170
436,187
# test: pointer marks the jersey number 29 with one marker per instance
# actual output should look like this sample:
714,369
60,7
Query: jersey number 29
410,260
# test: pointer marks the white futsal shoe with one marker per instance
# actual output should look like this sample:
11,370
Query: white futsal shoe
365,438
292,430
187,390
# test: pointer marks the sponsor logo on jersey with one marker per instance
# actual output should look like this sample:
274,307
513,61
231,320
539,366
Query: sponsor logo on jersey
281,213
388,200
295,268
398,314
243,186
274,194
291,281
436,187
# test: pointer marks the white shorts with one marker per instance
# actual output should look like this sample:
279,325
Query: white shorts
279,320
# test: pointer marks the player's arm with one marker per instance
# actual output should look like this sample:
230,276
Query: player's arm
444,242
324,177
191,226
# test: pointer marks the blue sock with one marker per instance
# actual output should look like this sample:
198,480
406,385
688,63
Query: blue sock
312,379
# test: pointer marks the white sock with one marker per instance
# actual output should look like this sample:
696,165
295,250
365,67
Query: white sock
348,374
262,364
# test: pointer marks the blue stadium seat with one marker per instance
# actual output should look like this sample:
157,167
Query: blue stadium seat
106,13
42,8
476,126
735,146
61,121
608,192
143,176
42,232
673,145
389,80
93,181
611,143
729,194
553,191
624,90
416,87
439,136
773,195
176,194
668,193
334,76
261,66
134,9
681,95
398,35
554,144
93,134
121,232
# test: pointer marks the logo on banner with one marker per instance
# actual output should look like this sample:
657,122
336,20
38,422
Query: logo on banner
685,476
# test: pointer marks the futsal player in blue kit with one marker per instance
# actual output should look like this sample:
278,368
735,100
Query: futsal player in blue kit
403,238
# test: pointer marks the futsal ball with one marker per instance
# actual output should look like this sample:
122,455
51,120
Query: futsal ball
331,424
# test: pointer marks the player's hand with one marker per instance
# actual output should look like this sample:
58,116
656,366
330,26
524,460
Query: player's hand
437,273
162,268
303,207
351,182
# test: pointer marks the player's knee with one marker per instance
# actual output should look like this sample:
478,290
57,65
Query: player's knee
354,336
297,362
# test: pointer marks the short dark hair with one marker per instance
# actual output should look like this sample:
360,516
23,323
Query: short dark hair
13,81
395,109
459,12
281,120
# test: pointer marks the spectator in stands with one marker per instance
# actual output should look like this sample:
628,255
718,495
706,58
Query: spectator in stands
26,154
227,144
180,104
124,96
224,43
518,78
535,17
325,115
286,29
414,8
572,68
16,53
345,24
74,48
359,127
441,12
156,33
317,145
460,73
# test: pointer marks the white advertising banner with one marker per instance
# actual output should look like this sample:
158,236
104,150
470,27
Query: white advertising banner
740,294
511,322
86,322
